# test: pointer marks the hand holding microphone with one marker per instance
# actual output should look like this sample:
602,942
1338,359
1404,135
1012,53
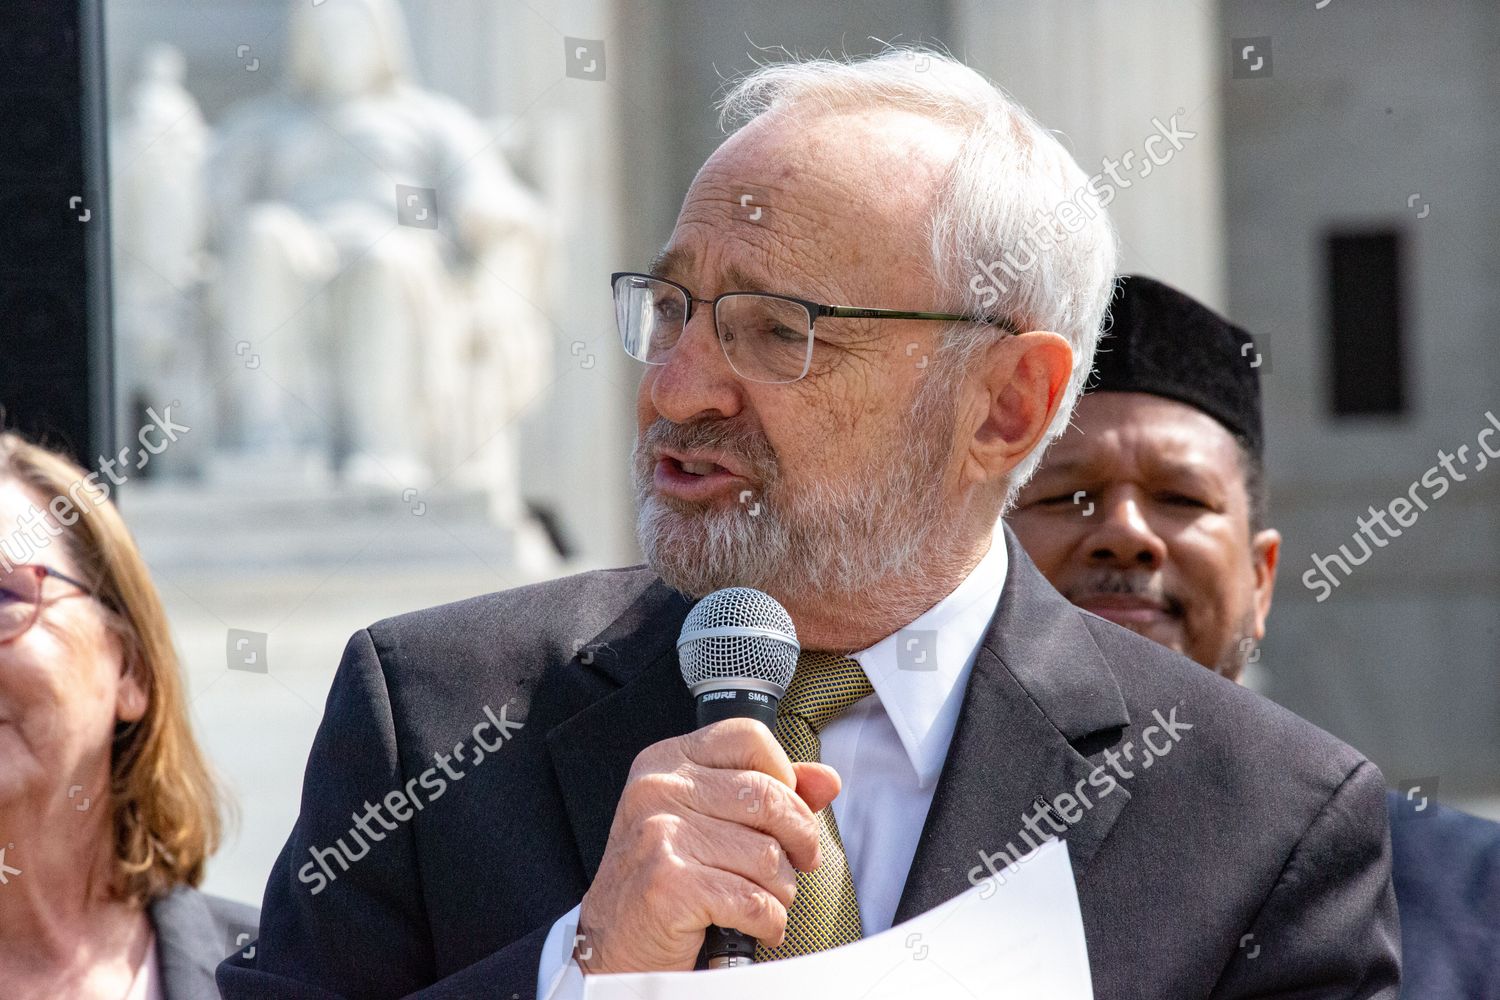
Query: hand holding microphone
711,825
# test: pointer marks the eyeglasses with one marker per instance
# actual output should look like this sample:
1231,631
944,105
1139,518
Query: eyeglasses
21,597
767,338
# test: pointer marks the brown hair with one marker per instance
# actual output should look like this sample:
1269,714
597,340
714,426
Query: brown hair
165,801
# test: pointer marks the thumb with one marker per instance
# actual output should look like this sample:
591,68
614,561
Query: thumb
818,784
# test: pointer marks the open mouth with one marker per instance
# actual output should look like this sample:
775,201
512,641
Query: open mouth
698,468
694,479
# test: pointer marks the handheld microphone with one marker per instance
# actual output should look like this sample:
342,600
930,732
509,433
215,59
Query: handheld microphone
738,650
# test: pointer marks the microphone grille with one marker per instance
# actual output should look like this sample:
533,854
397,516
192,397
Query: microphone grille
738,632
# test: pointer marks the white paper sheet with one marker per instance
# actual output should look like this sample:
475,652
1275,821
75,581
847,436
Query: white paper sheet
1022,938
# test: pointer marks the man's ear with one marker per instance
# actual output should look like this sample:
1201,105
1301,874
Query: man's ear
1265,552
1020,386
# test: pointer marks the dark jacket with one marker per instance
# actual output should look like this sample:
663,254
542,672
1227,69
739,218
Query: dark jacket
1446,868
1249,858
194,931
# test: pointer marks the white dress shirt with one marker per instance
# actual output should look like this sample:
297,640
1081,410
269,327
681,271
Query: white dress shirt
889,751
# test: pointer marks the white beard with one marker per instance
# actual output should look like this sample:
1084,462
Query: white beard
881,533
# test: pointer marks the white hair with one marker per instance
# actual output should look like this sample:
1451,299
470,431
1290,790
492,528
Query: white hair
1009,177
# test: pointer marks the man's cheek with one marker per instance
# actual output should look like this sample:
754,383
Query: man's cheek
1051,555
1052,544
1200,625
1177,638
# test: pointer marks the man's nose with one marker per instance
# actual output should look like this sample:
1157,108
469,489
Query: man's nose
696,381
1123,536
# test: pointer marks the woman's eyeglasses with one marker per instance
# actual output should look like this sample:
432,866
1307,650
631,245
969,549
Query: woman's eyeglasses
21,597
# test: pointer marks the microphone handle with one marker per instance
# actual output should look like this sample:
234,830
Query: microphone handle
726,947
737,703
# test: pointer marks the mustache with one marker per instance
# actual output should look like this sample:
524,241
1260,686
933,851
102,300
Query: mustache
733,438
1134,582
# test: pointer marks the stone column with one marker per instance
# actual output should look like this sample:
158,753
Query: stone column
1103,74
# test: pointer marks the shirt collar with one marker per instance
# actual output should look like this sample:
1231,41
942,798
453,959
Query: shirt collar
923,693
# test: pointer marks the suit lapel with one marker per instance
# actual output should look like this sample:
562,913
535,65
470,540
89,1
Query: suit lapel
592,751
1039,688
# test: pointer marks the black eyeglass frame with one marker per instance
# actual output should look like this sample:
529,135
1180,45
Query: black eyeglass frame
815,311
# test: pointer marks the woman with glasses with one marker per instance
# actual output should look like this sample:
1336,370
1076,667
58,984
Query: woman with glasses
107,808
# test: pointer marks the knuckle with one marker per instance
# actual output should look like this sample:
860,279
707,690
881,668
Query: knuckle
748,793
660,829
739,727
663,876
656,788
762,736
801,837
638,780
687,773
808,825
780,813
769,864
742,736
767,911
648,759
702,739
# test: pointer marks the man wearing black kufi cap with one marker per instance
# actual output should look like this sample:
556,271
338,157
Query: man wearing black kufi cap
1151,511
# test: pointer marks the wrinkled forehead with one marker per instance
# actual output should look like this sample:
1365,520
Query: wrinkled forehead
834,206
1144,431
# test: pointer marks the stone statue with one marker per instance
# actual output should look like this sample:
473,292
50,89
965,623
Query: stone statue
157,150
382,265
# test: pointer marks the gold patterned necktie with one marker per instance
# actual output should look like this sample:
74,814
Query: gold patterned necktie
825,913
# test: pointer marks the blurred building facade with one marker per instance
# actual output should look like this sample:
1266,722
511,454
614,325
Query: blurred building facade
1376,123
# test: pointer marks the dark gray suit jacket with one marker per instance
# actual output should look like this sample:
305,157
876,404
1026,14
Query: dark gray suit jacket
194,931
1252,860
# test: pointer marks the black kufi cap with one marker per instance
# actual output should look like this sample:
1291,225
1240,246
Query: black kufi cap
1160,341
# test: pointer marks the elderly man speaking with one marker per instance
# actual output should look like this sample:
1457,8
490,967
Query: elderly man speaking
847,375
